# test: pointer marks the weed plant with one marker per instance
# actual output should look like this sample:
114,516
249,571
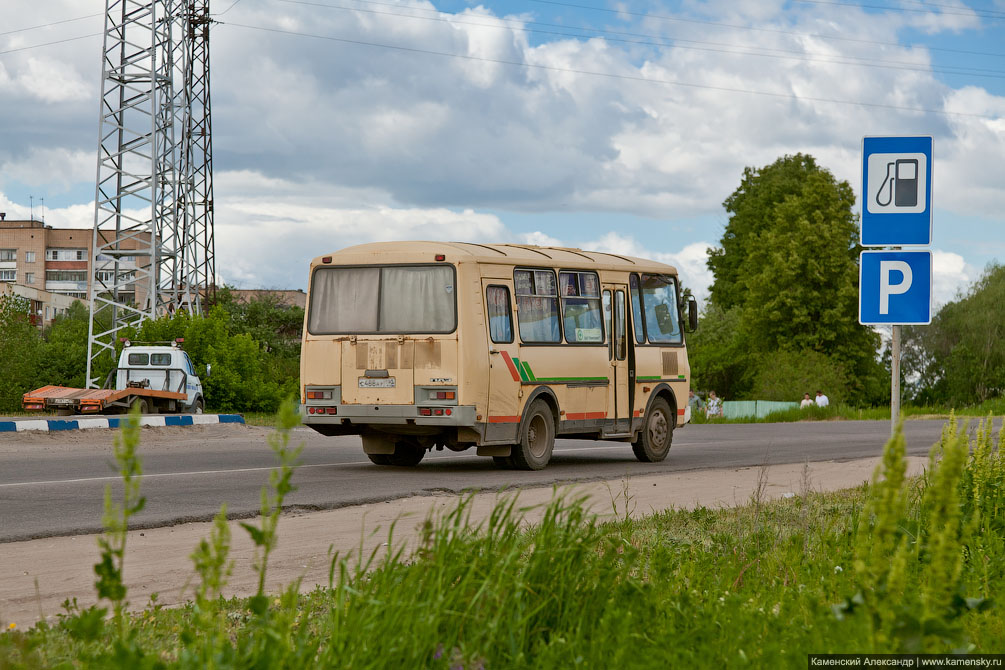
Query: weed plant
896,565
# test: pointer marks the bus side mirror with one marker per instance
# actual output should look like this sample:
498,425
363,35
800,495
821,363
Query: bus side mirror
208,368
692,314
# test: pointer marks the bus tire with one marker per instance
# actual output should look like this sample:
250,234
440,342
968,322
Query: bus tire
537,438
406,454
143,404
653,443
198,407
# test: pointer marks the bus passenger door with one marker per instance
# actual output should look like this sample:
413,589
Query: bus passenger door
502,419
616,326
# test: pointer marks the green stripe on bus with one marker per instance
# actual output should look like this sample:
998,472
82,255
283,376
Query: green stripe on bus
519,368
558,380
530,373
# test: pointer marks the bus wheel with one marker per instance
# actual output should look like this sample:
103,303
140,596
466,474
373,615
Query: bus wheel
537,438
653,443
143,404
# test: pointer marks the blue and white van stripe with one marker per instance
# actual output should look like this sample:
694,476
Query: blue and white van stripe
52,425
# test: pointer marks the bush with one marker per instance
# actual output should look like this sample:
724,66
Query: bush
239,380
787,375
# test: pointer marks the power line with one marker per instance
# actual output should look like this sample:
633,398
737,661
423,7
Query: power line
664,17
609,75
980,13
48,25
670,42
233,4
49,44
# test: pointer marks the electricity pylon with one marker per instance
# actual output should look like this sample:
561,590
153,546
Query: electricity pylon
151,232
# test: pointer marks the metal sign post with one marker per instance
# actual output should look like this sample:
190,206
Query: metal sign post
895,380
895,287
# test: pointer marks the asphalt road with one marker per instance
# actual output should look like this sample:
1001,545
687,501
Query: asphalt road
53,484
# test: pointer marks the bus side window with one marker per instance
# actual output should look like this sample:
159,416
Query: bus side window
609,325
640,335
537,305
620,332
500,317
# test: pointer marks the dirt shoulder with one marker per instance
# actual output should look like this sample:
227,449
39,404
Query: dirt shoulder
157,560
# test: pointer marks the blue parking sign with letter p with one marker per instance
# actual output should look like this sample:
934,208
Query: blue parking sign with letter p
895,287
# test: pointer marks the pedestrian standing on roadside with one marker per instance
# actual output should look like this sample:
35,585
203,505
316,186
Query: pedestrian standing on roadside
714,406
807,401
695,402
822,400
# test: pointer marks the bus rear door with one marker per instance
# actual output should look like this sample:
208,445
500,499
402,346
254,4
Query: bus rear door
504,381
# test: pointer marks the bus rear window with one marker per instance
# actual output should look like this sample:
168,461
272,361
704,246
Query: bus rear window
138,359
392,299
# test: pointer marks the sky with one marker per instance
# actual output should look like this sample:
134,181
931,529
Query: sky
612,126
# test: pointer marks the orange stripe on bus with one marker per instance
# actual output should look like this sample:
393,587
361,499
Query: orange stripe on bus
637,413
680,412
579,416
504,419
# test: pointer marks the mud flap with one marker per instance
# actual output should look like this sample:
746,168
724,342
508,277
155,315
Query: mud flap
495,450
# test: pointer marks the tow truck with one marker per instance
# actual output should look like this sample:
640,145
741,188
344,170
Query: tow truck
156,377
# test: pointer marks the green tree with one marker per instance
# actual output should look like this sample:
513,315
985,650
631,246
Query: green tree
63,356
960,358
239,380
787,375
788,261
721,359
19,349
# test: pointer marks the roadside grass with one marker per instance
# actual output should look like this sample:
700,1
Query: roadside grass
899,564
260,418
993,406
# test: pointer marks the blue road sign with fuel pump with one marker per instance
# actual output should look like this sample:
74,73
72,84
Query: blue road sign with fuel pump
896,191
895,288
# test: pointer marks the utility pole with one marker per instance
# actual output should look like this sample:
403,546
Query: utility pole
147,240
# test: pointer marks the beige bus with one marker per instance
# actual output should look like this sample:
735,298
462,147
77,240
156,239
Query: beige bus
501,347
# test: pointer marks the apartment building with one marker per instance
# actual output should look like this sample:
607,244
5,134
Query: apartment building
55,260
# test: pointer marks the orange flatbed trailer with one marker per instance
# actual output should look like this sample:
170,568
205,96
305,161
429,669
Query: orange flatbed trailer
93,401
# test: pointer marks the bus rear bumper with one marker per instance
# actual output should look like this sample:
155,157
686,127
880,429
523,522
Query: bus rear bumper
454,416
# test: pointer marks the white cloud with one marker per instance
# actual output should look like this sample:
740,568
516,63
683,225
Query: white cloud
689,261
540,239
952,276
51,166
320,144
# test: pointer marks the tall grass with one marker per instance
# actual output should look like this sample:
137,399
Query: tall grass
896,565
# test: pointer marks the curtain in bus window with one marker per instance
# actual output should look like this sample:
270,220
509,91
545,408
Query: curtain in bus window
344,300
538,319
581,307
659,298
640,335
500,323
417,300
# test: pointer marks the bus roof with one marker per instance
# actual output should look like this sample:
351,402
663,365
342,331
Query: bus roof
508,254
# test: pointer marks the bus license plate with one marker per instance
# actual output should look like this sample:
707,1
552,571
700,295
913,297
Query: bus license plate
376,382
